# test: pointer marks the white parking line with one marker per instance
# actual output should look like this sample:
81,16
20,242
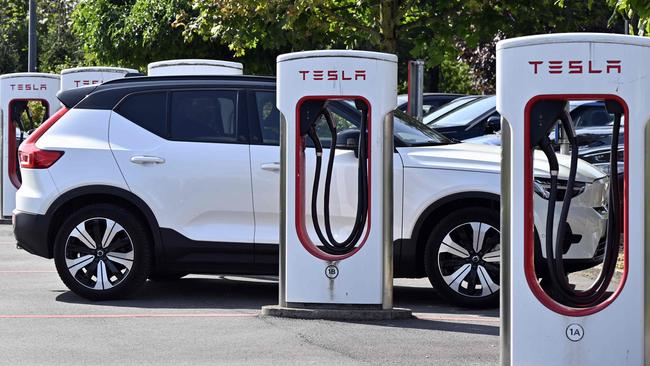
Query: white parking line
27,271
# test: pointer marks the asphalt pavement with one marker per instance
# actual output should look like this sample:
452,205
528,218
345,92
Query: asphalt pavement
214,320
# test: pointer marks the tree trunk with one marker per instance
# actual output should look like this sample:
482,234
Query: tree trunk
389,20
433,80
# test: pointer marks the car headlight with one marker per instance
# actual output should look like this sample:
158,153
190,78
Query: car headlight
596,158
542,186
601,159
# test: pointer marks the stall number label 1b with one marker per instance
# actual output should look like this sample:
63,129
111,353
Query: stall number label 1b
331,271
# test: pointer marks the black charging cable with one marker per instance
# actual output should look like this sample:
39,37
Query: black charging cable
563,290
329,242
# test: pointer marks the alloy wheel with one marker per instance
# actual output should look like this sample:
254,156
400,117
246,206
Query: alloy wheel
99,253
469,258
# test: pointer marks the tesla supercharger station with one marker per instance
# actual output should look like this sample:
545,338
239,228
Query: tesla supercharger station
343,262
194,67
84,76
22,95
555,321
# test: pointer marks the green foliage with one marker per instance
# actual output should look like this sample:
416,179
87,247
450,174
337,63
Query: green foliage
435,31
36,115
57,47
456,77
455,38
13,36
637,12
135,32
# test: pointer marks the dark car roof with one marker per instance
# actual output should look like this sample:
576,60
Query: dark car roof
106,95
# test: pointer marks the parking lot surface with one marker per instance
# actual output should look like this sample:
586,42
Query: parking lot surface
214,320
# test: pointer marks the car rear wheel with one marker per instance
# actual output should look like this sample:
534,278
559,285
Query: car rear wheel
463,255
102,252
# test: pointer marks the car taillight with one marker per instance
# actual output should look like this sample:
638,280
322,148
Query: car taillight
30,156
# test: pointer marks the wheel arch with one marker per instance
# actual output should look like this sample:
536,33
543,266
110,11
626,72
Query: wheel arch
412,251
82,196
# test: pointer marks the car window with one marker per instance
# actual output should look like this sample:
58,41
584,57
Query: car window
147,110
591,116
432,103
408,130
343,122
268,117
411,132
466,113
456,103
205,116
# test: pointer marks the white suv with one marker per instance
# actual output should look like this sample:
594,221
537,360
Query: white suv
158,177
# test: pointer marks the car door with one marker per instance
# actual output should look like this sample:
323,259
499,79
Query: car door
265,168
186,154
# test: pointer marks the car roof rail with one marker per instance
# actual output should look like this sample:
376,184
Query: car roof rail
136,79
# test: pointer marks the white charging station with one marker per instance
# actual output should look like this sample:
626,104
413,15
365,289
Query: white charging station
606,325
16,92
84,76
194,67
358,272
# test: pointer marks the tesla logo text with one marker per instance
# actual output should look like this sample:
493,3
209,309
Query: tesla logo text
28,87
332,75
86,82
576,67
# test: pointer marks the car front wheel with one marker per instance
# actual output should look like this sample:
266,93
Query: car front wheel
102,252
463,255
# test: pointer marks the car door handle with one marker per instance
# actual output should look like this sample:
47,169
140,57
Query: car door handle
272,167
142,159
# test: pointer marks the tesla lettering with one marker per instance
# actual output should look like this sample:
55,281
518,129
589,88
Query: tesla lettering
332,75
86,82
28,87
575,67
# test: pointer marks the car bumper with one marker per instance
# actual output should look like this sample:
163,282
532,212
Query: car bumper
587,223
571,265
30,231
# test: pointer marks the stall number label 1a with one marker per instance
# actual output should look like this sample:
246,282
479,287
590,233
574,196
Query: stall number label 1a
331,271
575,332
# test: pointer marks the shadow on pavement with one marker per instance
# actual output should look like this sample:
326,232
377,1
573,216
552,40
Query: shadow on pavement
250,294
443,326
214,292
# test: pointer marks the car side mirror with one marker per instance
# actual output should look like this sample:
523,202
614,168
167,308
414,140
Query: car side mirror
493,124
348,140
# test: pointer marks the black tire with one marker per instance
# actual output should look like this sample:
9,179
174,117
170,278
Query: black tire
115,270
166,277
471,281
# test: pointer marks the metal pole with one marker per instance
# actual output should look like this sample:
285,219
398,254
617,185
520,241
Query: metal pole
415,89
32,52
560,137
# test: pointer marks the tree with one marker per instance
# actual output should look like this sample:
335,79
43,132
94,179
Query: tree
458,32
57,46
636,12
520,18
13,36
135,32
409,28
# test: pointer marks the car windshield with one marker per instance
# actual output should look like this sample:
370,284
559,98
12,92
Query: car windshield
412,132
454,104
408,131
466,114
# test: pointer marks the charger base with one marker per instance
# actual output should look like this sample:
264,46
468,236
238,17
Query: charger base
329,312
